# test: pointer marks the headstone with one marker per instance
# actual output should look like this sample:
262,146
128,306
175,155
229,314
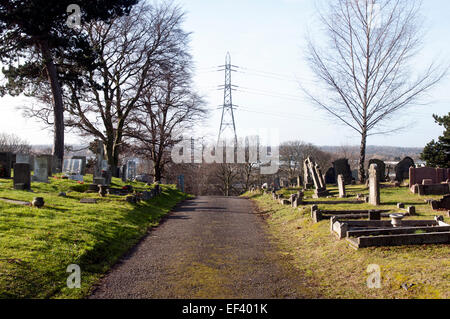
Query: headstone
50,163
124,173
83,163
374,186
299,181
307,179
73,166
381,169
40,169
131,170
5,164
320,176
106,173
330,176
355,176
99,156
22,177
23,158
319,190
341,186
402,169
341,167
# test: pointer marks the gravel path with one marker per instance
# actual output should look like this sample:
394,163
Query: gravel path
210,247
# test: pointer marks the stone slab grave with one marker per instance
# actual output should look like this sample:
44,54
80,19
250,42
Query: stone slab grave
362,234
443,204
22,176
341,167
374,185
429,181
88,201
5,165
432,189
402,169
15,202
40,169
427,176
319,215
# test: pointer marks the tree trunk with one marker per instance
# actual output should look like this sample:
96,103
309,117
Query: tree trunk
362,157
112,154
58,107
157,172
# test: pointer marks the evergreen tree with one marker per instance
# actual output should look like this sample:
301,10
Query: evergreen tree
39,50
437,154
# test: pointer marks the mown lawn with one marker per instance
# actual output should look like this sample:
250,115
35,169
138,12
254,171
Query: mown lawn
339,271
37,245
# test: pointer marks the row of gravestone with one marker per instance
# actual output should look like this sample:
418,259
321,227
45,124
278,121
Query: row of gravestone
313,173
342,167
43,167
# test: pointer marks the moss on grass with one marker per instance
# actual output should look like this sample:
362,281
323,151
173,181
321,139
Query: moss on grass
37,245
341,271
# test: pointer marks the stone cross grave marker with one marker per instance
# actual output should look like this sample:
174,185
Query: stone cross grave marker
374,186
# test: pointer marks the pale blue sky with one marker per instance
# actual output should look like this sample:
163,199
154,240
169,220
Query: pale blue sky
269,36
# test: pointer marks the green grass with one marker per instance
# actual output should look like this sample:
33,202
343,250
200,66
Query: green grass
37,245
338,270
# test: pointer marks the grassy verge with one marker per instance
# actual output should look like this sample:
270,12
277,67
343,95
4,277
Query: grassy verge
37,245
339,271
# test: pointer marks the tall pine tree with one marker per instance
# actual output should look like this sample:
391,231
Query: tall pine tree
437,154
39,50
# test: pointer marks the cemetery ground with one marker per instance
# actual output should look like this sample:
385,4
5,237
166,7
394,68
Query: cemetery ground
340,271
37,245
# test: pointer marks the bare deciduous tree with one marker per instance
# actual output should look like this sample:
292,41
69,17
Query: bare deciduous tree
294,153
130,50
166,109
13,144
365,66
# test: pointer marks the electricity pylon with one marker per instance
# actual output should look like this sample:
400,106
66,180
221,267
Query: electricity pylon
227,123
